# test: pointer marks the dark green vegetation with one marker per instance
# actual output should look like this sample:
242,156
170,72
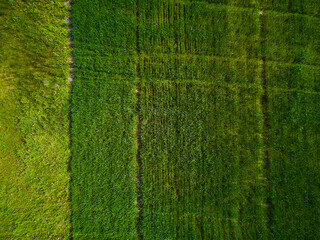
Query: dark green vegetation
201,125
291,38
309,7
104,120
217,156
201,121
294,151
34,139
292,49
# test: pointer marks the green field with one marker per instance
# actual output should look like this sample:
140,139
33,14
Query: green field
201,143
34,135
291,49
185,119
104,121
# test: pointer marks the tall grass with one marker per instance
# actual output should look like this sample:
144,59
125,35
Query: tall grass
104,120
34,139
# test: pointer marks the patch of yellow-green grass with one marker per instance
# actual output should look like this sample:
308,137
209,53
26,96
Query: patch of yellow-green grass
34,141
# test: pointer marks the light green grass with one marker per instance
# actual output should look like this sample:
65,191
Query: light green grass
34,139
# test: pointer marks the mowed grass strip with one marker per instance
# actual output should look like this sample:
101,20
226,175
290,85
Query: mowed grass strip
104,120
202,148
34,137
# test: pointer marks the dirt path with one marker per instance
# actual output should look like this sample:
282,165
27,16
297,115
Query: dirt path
264,104
70,39
70,80
138,133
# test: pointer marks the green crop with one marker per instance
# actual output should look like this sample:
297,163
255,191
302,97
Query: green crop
293,140
291,50
308,7
201,122
292,38
104,120
220,90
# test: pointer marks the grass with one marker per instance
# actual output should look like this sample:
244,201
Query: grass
309,7
189,120
179,27
292,38
293,140
201,122
34,142
202,174
104,120
294,137
291,50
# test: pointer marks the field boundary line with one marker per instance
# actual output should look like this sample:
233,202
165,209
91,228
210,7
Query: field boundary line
68,21
138,131
227,58
266,125
213,57
242,8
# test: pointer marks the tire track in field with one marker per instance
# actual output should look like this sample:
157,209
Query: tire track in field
138,132
71,45
266,125
70,80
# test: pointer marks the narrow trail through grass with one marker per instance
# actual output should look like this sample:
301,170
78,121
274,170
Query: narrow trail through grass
264,103
138,132
68,20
